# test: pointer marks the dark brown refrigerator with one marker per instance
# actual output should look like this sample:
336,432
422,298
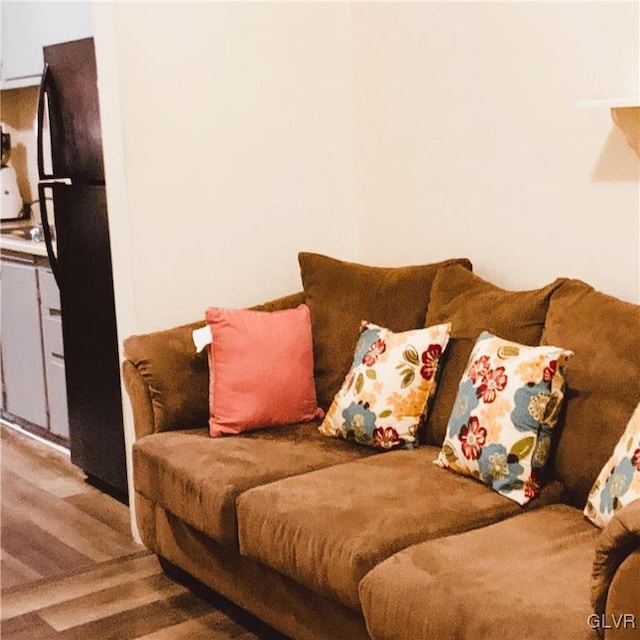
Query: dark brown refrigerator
73,197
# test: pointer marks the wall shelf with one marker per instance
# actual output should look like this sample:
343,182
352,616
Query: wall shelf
625,113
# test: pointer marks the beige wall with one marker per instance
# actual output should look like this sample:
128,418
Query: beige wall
237,148
471,141
391,133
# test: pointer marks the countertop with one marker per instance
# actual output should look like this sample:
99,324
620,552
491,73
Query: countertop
9,242
15,237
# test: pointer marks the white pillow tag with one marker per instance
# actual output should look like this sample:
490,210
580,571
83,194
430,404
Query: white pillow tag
201,338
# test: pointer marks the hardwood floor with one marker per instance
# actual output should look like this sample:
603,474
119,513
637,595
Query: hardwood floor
70,570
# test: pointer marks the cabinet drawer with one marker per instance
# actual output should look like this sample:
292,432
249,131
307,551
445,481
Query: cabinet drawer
57,387
52,333
49,292
50,310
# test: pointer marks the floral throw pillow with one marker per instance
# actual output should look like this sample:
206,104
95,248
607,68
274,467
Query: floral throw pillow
618,483
503,417
384,397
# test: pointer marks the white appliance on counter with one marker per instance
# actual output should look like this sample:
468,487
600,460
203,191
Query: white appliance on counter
12,207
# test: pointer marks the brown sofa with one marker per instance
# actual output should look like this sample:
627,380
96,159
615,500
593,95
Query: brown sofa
322,538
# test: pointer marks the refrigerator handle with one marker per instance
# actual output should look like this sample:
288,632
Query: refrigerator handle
44,217
45,84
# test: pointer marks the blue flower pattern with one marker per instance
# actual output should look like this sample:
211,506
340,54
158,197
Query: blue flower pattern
521,416
359,422
466,401
367,337
617,484
497,471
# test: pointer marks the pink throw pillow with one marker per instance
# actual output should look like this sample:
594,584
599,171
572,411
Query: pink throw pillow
261,365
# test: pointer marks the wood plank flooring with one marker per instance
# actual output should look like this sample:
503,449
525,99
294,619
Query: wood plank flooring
69,569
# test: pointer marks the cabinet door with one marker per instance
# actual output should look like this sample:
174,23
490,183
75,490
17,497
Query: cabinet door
53,353
21,343
29,26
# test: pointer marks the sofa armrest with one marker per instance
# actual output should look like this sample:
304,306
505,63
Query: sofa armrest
617,553
622,613
167,382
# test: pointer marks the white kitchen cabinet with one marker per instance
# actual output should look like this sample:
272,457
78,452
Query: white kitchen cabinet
26,27
24,385
31,345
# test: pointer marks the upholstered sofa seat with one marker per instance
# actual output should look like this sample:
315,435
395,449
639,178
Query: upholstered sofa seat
329,528
525,577
199,478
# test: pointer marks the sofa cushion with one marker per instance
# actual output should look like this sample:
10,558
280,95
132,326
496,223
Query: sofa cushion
385,394
618,483
261,369
198,478
473,305
502,423
342,294
603,379
526,577
327,529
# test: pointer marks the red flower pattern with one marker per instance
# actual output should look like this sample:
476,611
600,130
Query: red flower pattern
478,369
494,380
386,437
549,372
373,353
472,436
532,485
430,361
635,460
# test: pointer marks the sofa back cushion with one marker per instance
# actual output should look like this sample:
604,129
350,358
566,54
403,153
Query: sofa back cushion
342,294
473,305
603,380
